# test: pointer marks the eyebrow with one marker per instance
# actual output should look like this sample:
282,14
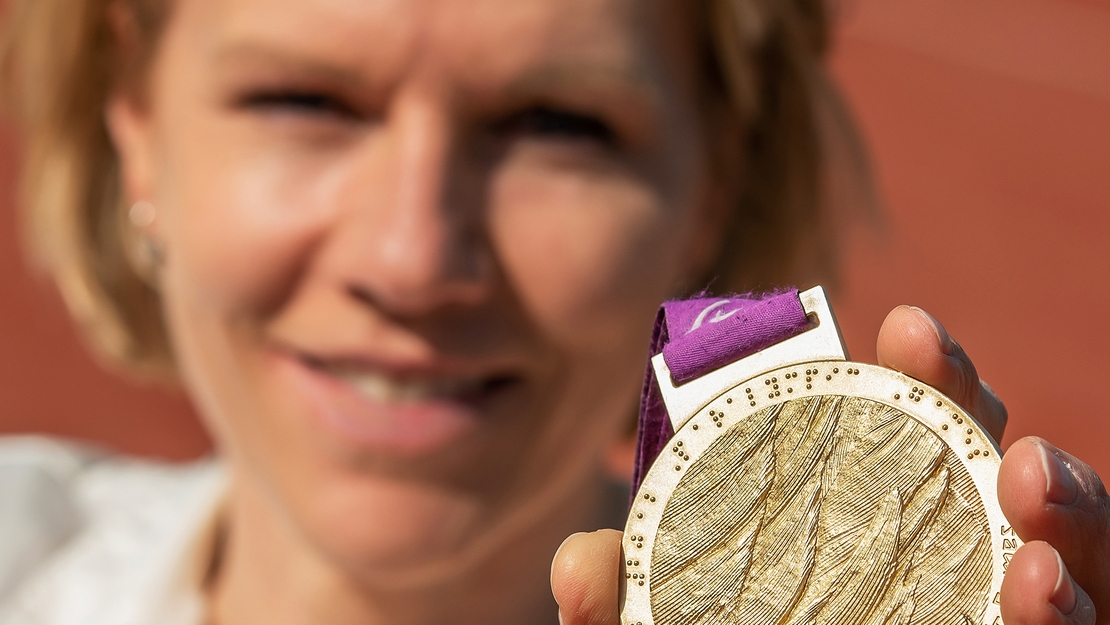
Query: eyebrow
254,54
636,81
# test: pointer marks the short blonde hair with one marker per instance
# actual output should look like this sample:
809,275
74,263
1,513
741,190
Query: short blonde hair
60,63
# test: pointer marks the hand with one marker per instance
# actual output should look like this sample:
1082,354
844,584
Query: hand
1066,513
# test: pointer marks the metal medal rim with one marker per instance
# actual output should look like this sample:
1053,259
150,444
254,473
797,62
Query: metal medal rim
940,415
819,348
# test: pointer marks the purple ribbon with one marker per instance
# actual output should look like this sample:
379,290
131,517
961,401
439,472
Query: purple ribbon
699,335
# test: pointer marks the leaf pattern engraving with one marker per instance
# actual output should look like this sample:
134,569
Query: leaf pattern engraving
825,510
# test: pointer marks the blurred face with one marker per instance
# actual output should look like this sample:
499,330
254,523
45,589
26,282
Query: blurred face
413,249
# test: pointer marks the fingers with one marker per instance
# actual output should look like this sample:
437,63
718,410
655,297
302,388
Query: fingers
585,578
1038,590
913,342
1050,495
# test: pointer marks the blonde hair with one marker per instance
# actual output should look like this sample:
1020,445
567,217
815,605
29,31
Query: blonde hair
60,63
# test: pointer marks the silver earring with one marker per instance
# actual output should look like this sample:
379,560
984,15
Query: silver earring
142,215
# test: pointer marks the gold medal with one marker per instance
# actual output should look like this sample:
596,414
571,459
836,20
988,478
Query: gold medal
803,488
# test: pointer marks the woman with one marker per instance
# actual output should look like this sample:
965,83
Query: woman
404,257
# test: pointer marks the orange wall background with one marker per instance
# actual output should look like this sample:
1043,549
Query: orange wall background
988,123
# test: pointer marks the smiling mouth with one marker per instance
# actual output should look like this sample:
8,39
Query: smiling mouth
388,388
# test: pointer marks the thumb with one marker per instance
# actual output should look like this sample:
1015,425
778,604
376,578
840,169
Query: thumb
585,578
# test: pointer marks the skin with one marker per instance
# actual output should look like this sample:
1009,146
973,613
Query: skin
479,197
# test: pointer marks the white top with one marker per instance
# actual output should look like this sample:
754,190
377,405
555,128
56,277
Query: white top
92,539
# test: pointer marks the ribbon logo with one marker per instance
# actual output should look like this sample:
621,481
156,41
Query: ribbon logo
718,315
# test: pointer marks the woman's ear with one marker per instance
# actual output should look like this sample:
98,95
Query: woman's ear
127,109
131,131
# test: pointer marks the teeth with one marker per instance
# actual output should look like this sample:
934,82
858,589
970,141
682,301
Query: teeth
386,389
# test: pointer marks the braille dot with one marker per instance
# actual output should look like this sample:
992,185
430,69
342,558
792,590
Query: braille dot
728,401
767,382
828,377
628,575
976,452
809,379
897,396
918,398
636,562
641,583
770,395
640,546
970,456
815,372
753,403
646,496
938,404
775,386
789,390
674,448
629,563
914,390
747,390
686,457
639,515
986,453
836,369
959,420
718,425
695,426
653,499
807,371
967,440
954,417
944,427
774,379
712,412
677,468
776,393
969,430
809,386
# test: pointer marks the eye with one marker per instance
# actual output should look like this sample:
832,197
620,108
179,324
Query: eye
552,123
298,102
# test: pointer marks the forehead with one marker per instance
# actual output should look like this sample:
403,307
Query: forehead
489,40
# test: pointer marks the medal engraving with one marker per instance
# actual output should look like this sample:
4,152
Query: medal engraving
826,492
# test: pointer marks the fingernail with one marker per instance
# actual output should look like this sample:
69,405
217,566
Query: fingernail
942,334
1060,486
1063,595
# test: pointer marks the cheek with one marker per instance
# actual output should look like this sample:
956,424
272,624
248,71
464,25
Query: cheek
240,225
590,256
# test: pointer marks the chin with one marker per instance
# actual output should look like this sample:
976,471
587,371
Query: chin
399,533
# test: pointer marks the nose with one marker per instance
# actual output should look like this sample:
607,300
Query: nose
413,236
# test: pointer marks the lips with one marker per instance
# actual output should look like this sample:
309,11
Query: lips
384,388
375,408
